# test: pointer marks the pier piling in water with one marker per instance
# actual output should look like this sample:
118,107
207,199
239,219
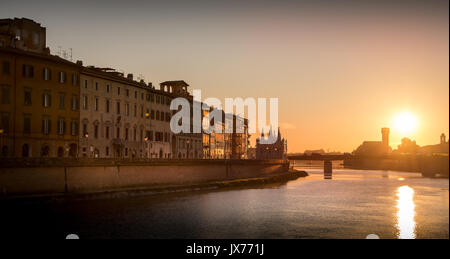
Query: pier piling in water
327,169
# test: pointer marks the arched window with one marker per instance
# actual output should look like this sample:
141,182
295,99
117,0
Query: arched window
5,151
25,150
45,150
60,152
73,150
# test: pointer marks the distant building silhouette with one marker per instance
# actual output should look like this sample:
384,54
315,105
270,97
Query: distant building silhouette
443,139
441,148
375,148
408,146
385,136
276,150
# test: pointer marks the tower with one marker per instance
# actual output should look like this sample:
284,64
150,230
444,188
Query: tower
385,136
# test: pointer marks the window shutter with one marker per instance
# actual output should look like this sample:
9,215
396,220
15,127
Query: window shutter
49,126
43,99
49,100
64,127
43,126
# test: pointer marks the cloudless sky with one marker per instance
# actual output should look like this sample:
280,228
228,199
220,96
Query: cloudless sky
341,69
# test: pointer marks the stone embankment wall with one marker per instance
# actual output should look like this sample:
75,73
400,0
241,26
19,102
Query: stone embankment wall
44,176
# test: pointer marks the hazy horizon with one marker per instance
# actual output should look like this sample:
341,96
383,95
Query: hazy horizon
341,71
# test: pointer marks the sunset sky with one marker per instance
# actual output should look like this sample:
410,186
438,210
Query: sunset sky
341,71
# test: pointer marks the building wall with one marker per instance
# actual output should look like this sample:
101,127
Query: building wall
139,128
24,103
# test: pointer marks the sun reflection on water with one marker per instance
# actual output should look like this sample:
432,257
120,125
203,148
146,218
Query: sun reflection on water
405,215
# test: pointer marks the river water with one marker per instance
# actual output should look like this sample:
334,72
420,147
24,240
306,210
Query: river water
353,204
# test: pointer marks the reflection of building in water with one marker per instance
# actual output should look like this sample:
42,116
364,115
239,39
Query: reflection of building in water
276,150
375,148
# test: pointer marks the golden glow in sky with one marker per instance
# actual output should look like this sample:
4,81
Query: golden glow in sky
405,123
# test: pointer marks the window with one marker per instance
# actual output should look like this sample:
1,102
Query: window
135,94
96,131
85,83
150,135
96,86
127,109
141,137
148,97
107,105
61,100
96,103
162,116
107,88
27,124
126,133
134,134
107,151
74,128
168,116
152,98
142,111
85,129
142,96
152,114
45,150
27,96
118,108
46,99
157,115
74,103
27,71
47,74
118,90
118,132
46,124
6,70
85,102
62,77
5,123
107,132
127,91
61,126
5,95
135,110
158,99
75,79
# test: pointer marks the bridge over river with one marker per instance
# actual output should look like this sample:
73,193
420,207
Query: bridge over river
428,165
327,161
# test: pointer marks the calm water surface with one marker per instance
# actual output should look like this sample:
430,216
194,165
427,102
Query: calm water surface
351,205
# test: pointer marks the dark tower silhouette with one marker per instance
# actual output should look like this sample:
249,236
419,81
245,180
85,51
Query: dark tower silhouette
385,136
443,139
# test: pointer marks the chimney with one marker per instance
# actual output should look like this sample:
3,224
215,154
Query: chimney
150,84
79,63
130,76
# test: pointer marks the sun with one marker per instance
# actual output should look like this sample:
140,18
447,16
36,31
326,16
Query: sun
405,122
